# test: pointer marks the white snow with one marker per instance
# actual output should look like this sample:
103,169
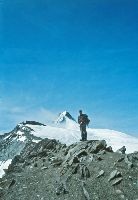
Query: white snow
20,136
36,141
71,134
7,137
4,165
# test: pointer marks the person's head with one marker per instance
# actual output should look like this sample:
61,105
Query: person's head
80,111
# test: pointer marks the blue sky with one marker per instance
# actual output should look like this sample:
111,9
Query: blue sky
69,55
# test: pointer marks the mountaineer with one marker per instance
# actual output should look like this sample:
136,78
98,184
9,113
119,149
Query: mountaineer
83,120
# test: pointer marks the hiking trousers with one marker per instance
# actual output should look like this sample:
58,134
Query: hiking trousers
83,132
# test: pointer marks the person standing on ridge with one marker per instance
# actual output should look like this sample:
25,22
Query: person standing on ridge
83,120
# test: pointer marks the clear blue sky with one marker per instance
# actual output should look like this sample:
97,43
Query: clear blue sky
69,55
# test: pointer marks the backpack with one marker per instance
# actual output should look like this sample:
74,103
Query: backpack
84,119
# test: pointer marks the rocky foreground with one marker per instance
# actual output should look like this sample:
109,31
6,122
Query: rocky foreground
87,170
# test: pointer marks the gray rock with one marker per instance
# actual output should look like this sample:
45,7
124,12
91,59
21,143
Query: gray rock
75,159
35,165
129,163
12,183
102,152
84,171
101,173
118,192
117,181
121,150
114,175
109,149
43,168
120,159
100,145
56,161
122,196
99,158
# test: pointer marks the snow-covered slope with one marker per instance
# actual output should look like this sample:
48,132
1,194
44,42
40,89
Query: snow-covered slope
65,129
70,133
65,120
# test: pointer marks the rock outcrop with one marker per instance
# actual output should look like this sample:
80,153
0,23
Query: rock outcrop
87,170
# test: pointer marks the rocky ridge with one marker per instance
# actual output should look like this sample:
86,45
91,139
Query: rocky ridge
12,143
89,170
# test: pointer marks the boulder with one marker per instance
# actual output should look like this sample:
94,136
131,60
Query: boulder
101,173
121,150
128,162
100,145
109,149
114,174
117,181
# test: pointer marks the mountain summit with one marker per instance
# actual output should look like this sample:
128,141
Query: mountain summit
65,120
63,117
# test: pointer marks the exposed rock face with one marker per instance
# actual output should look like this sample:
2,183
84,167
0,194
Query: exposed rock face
11,144
121,150
87,170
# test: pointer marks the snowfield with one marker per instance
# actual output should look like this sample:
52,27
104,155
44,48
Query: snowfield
69,133
4,165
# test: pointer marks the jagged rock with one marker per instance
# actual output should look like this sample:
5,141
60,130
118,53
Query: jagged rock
117,181
26,163
84,171
135,155
56,161
18,159
43,159
121,150
130,164
12,183
32,155
42,153
61,188
122,196
102,152
114,175
118,192
74,160
101,173
100,145
109,149
35,165
75,169
85,192
43,168
66,151
1,193
130,177
78,164
13,168
81,153
99,158
120,159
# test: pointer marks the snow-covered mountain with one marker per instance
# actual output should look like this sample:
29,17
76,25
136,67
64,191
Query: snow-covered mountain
65,120
70,133
11,144
65,129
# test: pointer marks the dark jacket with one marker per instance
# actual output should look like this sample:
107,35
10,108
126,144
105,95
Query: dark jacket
83,119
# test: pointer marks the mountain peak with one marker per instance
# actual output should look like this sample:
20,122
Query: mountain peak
63,117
